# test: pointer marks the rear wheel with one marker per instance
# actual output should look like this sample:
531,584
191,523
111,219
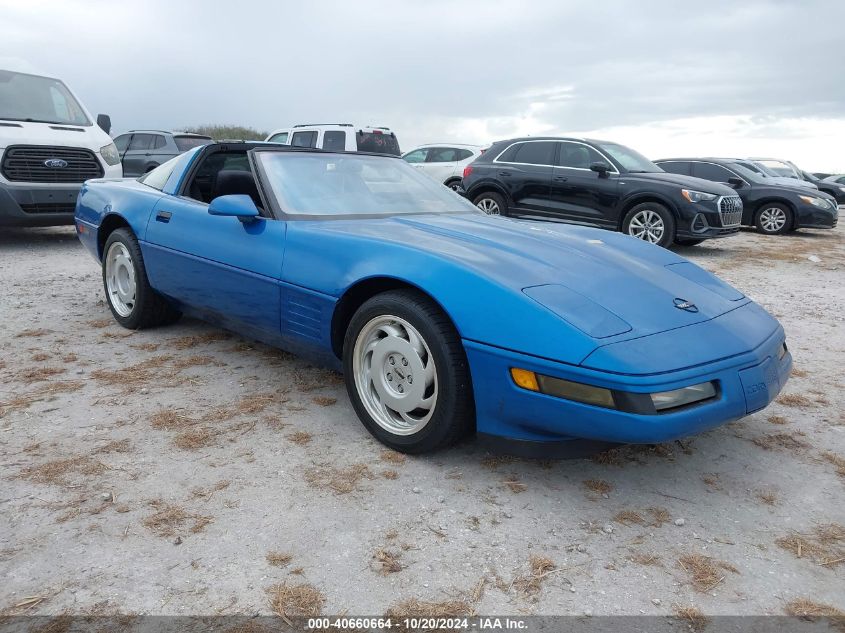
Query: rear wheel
687,242
454,185
650,222
773,219
133,302
407,374
491,203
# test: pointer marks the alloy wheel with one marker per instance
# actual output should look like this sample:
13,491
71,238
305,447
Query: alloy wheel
647,225
489,206
772,219
120,279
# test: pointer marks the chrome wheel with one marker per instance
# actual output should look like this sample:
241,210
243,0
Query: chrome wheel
120,279
647,225
395,375
772,219
489,206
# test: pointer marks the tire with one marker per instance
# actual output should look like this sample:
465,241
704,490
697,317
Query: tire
150,168
650,222
132,301
773,219
453,184
491,203
381,360
687,242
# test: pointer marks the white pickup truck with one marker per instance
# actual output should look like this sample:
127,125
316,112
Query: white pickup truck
49,145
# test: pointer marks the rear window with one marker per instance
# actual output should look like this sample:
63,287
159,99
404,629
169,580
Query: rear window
184,143
334,140
378,142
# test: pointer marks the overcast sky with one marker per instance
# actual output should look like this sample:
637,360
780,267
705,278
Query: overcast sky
669,78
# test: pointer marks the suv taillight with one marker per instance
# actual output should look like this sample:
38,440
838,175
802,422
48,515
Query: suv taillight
467,170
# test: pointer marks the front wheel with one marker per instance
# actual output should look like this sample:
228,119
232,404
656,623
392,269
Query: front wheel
407,374
491,203
650,222
773,219
133,302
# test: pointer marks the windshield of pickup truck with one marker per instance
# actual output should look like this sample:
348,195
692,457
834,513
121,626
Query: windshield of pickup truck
338,185
35,99
631,161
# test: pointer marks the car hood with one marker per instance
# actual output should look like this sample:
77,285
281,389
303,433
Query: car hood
688,182
605,284
56,135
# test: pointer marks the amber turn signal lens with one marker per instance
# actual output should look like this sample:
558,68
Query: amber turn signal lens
525,379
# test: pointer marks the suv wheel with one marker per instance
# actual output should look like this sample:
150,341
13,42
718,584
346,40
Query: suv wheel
773,219
650,222
491,203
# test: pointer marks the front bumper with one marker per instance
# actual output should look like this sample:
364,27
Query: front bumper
702,221
747,382
811,217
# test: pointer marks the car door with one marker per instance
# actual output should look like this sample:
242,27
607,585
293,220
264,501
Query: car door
122,144
441,163
135,157
225,269
159,152
417,158
580,195
525,171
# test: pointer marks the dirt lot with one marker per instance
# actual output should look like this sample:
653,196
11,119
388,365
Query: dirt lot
189,471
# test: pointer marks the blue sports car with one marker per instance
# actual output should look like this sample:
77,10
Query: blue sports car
546,339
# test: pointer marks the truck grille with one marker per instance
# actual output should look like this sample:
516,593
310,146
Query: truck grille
730,211
49,207
27,163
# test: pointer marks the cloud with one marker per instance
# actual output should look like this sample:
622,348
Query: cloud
473,71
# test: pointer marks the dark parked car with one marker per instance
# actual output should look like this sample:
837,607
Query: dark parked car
142,151
601,184
830,188
773,208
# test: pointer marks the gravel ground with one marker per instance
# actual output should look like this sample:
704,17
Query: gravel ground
189,471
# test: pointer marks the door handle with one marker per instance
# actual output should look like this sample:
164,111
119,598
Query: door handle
163,216
148,154
560,178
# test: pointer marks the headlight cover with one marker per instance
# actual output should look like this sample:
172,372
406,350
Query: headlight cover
110,154
821,203
685,395
697,196
842,189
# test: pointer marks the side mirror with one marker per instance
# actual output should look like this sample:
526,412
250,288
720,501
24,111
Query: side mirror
104,121
735,182
600,167
237,206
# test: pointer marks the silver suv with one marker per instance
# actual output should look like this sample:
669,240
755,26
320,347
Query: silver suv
144,150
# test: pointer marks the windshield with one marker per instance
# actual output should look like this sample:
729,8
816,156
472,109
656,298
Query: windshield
39,100
779,168
630,160
377,143
184,143
746,172
323,184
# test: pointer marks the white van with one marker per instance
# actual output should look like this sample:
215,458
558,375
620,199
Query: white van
49,145
343,137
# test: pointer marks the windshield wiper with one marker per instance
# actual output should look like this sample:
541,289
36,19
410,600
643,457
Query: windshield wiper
35,121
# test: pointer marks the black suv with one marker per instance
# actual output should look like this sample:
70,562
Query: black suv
601,184
774,208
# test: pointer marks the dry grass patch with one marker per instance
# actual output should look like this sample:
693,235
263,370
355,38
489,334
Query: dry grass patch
811,610
100,323
45,392
824,545
33,333
154,369
514,484
837,460
780,441
115,446
777,419
387,561
390,474
312,378
769,497
705,572
299,437
146,347
279,559
539,567
598,486
194,361
206,493
170,519
39,374
288,600
57,471
40,357
629,517
338,480
494,461
637,453
794,400
189,342
323,401
195,438
652,517
414,608
70,358
642,558
393,457
799,373
170,420
256,403
695,619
